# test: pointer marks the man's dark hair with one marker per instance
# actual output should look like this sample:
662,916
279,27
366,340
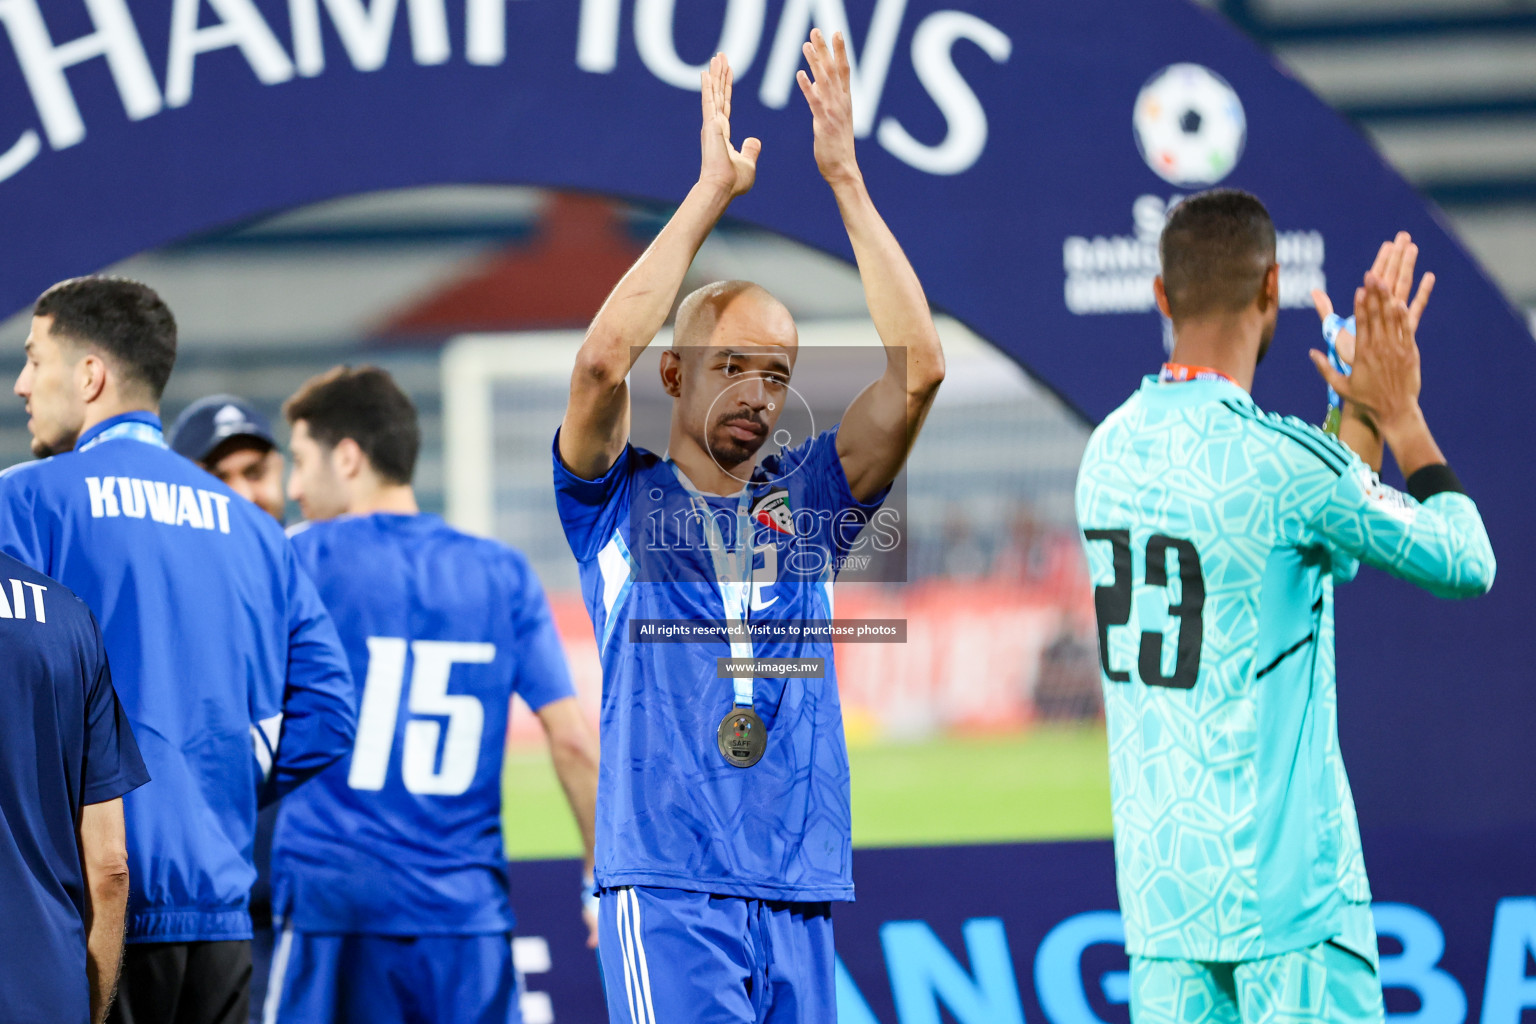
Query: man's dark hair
124,319
365,404
1215,250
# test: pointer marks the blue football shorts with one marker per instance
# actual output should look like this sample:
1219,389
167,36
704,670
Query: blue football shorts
323,978
670,956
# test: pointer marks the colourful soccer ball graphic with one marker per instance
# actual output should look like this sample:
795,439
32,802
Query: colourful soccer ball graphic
1189,125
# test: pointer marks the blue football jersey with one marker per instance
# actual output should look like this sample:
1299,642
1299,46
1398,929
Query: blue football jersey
671,812
64,743
403,837
220,648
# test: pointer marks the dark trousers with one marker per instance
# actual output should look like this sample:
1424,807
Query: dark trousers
184,983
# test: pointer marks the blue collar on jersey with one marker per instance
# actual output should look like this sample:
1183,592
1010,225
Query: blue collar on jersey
135,426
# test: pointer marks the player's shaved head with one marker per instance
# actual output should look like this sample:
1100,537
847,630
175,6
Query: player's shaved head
1216,250
733,313
733,350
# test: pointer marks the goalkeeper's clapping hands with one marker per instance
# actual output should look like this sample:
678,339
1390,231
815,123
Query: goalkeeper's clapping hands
1395,262
1386,381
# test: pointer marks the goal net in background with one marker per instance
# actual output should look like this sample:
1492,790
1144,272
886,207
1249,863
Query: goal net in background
1000,628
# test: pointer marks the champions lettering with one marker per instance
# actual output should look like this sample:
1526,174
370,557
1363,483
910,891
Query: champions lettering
171,504
365,29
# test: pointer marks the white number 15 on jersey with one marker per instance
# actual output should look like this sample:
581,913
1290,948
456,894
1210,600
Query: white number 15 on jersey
419,768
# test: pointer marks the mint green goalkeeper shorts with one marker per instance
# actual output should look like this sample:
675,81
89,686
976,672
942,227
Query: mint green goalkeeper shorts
1322,984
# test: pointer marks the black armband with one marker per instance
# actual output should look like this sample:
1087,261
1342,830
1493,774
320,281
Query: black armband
1433,479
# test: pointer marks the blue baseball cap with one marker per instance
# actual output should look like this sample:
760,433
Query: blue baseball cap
209,422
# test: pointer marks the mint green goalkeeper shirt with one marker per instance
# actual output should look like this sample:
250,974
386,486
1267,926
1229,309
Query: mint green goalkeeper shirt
1215,532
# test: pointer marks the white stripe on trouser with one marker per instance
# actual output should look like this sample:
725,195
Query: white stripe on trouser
621,912
275,977
637,974
644,970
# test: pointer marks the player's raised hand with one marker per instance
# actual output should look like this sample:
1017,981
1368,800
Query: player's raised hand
830,95
722,164
1394,265
1385,382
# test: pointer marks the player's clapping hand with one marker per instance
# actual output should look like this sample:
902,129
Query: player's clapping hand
1394,264
722,164
1385,382
831,99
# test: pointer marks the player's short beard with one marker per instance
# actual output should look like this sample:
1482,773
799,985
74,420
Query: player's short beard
43,450
725,449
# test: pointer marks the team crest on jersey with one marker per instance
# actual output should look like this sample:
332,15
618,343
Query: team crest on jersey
773,511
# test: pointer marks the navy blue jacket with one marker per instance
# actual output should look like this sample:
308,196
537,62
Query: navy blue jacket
64,743
221,651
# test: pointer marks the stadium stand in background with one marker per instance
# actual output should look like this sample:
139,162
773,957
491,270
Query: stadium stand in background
1447,91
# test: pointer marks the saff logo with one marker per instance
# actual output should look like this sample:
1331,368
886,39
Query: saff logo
1189,125
773,511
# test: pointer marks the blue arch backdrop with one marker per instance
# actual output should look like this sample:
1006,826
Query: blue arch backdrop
998,141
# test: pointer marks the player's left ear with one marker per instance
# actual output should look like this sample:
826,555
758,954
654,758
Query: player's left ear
1269,294
347,459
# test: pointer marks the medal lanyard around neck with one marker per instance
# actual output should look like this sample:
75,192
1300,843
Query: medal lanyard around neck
733,572
133,430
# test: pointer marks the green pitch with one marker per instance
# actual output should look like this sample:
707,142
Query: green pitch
1049,783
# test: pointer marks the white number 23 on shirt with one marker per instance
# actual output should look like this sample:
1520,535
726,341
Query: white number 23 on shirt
421,773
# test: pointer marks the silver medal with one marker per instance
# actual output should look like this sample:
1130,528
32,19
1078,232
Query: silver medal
743,737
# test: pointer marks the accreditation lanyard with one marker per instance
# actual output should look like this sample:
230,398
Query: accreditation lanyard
733,572
133,430
1173,373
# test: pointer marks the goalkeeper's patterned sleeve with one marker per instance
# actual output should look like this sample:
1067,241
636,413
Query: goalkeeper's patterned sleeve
1432,536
